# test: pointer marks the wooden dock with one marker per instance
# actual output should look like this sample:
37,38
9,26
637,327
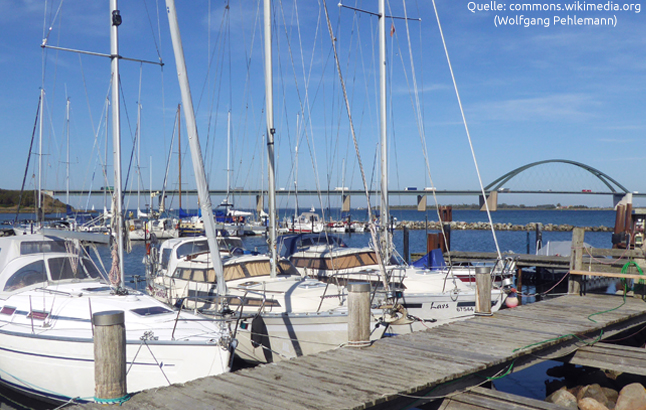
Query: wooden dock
398,371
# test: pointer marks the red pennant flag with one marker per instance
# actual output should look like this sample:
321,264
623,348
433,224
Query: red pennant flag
392,29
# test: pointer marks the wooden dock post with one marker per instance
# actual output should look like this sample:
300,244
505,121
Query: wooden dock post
483,290
109,356
358,314
576,260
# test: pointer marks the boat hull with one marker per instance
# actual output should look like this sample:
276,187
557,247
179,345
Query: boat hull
61,369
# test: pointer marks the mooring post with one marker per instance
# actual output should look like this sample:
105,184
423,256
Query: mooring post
109,356
483,290
358,314
576,260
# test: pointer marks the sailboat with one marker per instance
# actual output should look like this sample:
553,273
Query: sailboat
287,315
49,291
429,297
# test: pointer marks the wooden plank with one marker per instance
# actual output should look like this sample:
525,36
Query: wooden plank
481,398
619,358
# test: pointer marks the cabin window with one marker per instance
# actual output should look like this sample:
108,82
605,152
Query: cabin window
151,311
28,248
198,275
186,274
368,258
65,268
165,256
318,264
210,276
234,271
258,268
27,275
301,262
286,268
91,269
8,310
191,248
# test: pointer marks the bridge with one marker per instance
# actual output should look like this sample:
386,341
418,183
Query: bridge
498,187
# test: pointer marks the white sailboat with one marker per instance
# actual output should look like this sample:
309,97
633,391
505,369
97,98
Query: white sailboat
292,315
49,291
427,296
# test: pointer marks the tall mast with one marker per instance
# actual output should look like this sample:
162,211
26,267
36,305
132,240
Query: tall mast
67,173
139,152
269,103
40,156
105,162
228,153
196,150
179,151
385,213
115,18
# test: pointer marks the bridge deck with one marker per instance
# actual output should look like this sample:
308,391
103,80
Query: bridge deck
422,363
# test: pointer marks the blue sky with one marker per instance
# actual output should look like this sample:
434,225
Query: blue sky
529,94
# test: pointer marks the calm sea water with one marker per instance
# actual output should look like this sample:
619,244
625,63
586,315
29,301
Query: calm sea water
529,382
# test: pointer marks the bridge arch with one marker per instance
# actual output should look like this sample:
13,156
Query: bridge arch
606,179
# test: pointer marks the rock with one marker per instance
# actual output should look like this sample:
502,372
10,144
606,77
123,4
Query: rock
588,403
593,391
611,394
563,398
632,397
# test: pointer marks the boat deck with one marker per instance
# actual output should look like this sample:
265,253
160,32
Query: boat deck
400,370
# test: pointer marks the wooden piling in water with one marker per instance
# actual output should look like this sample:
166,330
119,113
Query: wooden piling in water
109,356
483,290
576,260
358,314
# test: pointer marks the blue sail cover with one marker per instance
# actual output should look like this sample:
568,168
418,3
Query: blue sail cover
432,260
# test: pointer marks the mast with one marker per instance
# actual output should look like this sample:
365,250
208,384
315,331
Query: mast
139,152
105,161
228,154
385,213
196,150
298,133
115,17
269,103
67,174
40,157
179,152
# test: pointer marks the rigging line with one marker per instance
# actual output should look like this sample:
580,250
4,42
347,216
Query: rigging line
207,76
125,109
24,178
473,154
310,145
371,225
218,84
152,30
48,31
415,102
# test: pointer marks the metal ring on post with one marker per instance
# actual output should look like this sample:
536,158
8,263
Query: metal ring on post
108,318
358,314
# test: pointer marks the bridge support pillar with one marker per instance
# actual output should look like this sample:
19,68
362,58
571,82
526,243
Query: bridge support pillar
421,203
492,201
622,199
260,199
346,203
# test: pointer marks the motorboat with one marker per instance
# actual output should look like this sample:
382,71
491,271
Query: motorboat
49,291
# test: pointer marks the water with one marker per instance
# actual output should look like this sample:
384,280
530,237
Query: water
529,382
